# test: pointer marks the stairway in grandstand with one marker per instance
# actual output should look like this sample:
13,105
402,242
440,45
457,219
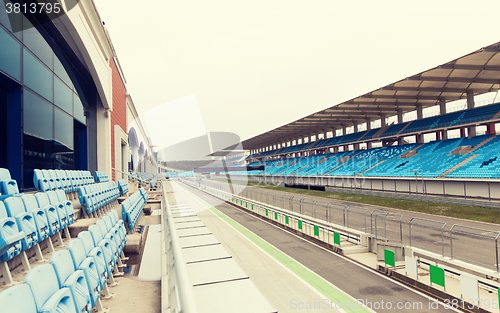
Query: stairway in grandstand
343,161
402,129
497,115
382,130
410,153
372,167
484,142
459,165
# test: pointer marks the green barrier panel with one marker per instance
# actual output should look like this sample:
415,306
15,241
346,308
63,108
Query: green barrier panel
316,230
276,215
300,224
246,204
252,206
498,292
267,212
389,258
437,275
336,238
286,219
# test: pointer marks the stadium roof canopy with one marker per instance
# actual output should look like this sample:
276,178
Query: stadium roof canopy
477,72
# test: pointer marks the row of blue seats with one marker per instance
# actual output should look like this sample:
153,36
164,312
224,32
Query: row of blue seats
97,196
132,207
123,186
454,118
75,277
101,177
29,219
69,181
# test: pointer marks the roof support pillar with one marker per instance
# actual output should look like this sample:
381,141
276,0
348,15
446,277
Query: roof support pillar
444,134
368,124
442,106
470,99
420,113
382,120
471,130
400,116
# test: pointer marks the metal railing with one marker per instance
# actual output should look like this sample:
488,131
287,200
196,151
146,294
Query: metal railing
467,239
421,228
180,294
427,234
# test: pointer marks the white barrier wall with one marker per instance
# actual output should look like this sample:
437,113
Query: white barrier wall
462,188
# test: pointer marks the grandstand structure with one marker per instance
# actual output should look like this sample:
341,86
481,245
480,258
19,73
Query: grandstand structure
77,169
341,141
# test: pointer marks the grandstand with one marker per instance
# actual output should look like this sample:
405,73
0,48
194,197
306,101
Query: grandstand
340,141
76,177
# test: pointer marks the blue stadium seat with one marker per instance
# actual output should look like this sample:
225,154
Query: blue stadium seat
118,224
115,230
9,185
97,254
10,236
70,211
61,301
52,215
17,299
88,266
107,249
55,179
25,221
40,216
116,244
61,208
45,287
73,279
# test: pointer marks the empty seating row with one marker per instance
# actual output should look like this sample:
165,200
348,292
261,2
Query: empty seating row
75,277
123,186
69,181
97,196
455,118
132,207
30,219
101,177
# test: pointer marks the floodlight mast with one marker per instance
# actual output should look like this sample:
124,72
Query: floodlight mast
416,180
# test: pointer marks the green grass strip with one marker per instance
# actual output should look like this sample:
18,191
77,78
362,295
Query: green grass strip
332,293
488,215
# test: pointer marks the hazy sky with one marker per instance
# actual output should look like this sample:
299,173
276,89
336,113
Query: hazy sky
256,65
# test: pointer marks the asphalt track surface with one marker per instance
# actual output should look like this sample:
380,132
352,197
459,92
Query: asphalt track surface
479,249
354,279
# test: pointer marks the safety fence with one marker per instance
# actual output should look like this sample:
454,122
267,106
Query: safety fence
178,293
474,245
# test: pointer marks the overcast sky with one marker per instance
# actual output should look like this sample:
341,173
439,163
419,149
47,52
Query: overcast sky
252,66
